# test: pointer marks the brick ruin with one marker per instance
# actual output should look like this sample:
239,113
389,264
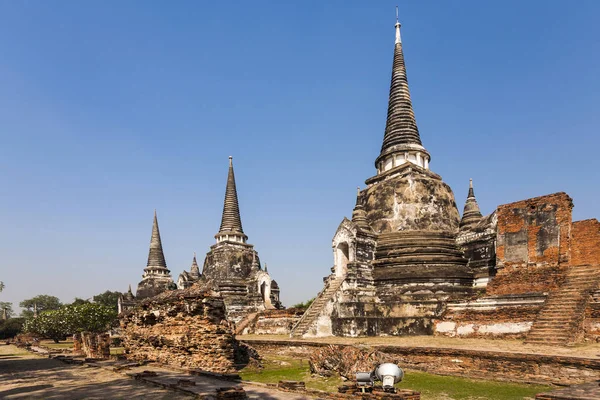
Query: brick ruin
184,328
232,267
407,263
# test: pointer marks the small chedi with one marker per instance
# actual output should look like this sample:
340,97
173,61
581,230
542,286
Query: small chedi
407,263
232,267
186,328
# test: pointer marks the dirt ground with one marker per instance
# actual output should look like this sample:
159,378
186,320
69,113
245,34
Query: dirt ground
589,350
26,376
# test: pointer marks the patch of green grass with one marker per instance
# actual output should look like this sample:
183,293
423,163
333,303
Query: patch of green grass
432,387
288,369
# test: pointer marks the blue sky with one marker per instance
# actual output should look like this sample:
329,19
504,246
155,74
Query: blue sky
111,109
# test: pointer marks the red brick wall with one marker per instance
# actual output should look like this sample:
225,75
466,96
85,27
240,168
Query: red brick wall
533,245
585,247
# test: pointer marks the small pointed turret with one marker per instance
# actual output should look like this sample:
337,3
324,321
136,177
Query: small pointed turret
359,216
471,213
195,270
401,142
231,222
129,295
156,257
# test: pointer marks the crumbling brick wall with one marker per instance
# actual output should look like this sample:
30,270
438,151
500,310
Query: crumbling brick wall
533,245
276,322
92,345
585,248
185,328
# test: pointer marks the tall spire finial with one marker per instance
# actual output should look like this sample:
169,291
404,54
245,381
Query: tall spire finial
231,222
401,137
398,39
156,257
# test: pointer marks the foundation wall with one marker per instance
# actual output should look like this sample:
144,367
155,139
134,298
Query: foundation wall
498,366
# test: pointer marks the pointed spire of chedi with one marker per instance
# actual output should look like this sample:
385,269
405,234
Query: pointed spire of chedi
401,142
156,257
195,270
231,222
471,214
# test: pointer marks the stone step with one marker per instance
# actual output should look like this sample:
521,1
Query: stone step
548,339
555,321
552,332
546,328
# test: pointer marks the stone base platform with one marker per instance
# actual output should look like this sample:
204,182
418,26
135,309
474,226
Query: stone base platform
586,391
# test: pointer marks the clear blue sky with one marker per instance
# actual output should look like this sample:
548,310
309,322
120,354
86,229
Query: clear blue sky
110,109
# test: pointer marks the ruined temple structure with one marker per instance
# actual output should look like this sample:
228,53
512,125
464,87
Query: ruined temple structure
407,263
157,277
187,279
231,267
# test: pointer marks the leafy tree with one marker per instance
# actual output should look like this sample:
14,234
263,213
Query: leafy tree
78,302
304,305
108,298
57,324
43,302
11,327
49,324
5,305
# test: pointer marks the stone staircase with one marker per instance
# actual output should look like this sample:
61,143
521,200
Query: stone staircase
559,321
315,309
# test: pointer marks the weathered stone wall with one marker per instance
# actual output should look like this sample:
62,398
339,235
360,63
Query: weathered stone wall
478,242
228,260
507,322
533,245
585,248
410,199
185,328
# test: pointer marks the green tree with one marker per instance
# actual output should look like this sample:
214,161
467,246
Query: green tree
304,305
108,298
78,302
11,327
5,305
43,302
57,324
